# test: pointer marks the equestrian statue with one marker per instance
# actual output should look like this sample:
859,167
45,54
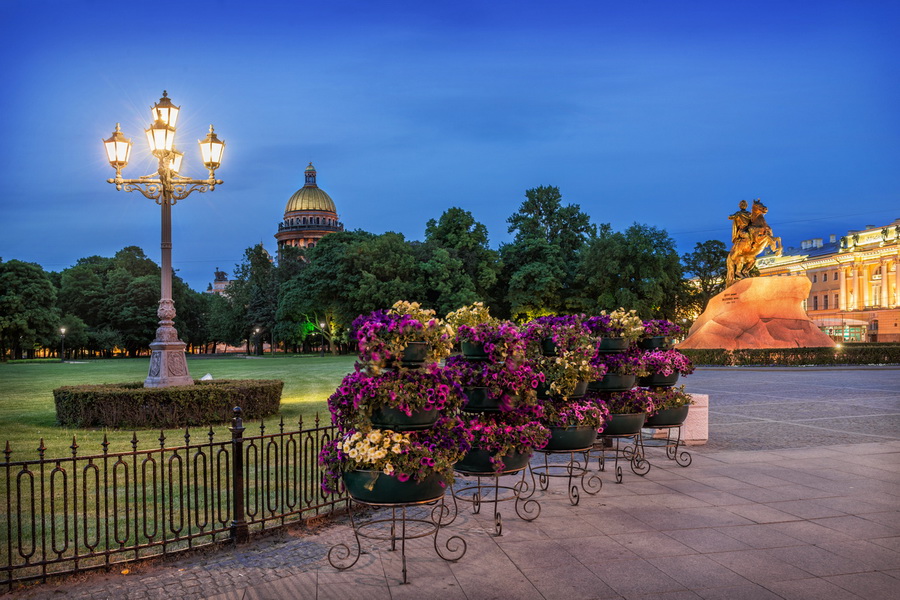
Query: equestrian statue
750,235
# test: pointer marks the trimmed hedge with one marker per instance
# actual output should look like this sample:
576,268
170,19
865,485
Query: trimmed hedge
884,354
132,406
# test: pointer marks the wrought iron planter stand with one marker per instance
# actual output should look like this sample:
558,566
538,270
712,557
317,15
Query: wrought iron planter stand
401,528
673,445
632,452
577,473
478,493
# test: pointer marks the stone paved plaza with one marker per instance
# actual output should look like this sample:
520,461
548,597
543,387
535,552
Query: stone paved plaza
795,496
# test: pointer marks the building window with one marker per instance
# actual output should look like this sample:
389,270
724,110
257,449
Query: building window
814,277
825,302
836,303
815,303
825,278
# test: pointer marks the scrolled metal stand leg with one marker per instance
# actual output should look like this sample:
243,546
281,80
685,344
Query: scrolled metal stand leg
574,496
403,543
393,529
455,546
525,504
618,469
684,458
339,553
441,511
543,476
593,484
498,520
639,464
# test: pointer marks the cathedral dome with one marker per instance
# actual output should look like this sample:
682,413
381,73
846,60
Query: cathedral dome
310,197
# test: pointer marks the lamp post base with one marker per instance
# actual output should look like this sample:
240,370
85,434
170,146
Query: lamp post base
168,365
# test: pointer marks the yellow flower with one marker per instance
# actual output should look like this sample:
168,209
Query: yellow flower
396,449
388,469
356,435
353,453
374,437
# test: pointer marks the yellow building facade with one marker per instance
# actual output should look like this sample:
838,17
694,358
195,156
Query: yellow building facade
855,293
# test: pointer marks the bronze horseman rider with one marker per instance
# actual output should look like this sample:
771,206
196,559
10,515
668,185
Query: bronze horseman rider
750,234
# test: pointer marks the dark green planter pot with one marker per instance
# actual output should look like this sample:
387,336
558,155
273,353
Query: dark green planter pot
657,380
543,390
571,438
611,345
397,420
548,347
473,350
613,383
478,401
414,354
668,417
657,342
479,461
375,487
624,424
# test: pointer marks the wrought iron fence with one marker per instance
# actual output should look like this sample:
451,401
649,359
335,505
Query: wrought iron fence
66,515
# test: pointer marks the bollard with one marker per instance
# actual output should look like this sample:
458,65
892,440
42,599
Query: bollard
239,533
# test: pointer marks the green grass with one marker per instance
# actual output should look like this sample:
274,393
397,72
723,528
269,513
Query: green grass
27,413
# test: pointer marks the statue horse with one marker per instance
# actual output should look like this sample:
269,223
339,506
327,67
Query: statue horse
749,243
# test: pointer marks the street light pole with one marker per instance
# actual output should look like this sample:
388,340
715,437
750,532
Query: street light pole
168,365
62,344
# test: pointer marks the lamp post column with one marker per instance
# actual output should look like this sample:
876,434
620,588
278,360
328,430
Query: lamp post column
168,365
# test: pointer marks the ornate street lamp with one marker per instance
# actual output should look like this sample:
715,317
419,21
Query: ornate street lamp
167,362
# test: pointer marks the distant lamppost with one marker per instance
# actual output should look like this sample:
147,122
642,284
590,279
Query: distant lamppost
62,344
258,352
322,347
167,362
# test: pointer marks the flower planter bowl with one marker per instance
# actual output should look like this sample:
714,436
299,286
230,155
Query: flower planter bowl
479,401
612,345
548,347
397,420
543,390
656,342
374,487
473,350
414,354
612,382
479,461
565,439
624,424
668,417
657,380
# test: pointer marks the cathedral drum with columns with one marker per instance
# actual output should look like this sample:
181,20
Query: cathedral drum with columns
309,216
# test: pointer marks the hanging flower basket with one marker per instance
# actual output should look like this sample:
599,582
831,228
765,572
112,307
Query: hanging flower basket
659,380
396,420
612,345
668,417
479,461
375,487
613,382
543,391
624,423
571,438
473,350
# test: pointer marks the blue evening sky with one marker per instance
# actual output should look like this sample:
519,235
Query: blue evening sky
661,112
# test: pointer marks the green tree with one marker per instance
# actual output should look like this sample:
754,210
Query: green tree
464,238
28,314
635,269
539,265
707,267
255,289
130,308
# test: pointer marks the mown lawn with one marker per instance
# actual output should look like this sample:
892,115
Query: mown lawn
27,412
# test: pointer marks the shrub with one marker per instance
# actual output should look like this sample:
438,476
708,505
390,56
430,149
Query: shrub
132,406
884,354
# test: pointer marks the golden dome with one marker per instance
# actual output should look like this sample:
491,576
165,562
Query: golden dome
310,197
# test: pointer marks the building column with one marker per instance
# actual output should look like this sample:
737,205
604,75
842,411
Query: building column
862,286
885,282
854,298
842,292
